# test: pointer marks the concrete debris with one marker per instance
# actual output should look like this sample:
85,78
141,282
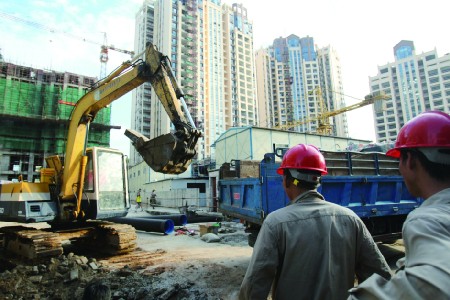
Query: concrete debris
136,275
210,238
93,266
73,275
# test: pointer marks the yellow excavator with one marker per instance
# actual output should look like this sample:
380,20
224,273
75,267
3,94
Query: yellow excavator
77,193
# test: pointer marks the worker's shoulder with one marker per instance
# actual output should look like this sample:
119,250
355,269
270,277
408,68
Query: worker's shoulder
338,208
324,207
334,210
311,210
305,217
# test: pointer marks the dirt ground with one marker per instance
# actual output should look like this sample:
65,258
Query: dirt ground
179,265
173,266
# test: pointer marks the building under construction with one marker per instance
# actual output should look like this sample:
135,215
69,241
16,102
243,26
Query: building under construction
35,108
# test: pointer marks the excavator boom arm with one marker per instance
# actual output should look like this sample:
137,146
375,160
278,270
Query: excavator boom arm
178,148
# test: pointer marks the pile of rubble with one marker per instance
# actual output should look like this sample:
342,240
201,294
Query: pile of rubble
179,266
66,277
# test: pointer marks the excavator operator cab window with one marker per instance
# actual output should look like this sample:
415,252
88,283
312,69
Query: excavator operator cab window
110,173
111,182
89,176
105,183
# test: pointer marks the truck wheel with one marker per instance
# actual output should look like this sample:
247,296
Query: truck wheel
252,239
389,242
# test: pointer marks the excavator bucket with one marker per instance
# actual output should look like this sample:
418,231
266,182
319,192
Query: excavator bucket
166,154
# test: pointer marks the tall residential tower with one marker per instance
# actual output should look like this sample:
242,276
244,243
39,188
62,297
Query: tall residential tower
141,118
296,82
210,46
415,83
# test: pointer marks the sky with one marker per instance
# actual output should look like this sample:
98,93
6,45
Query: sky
362,32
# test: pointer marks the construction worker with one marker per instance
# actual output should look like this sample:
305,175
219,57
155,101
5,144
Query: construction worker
423,148
310,249
153,199
138,201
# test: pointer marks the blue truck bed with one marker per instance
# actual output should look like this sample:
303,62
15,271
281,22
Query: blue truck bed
367,183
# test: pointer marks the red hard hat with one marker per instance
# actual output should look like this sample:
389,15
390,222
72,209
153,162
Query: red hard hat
427,130
303,157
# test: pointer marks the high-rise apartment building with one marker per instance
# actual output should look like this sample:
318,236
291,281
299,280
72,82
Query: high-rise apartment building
211,56
414,83
264,83
300,84
240,86
141,118
210,46
333,91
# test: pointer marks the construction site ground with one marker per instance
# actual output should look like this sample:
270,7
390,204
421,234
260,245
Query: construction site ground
180,265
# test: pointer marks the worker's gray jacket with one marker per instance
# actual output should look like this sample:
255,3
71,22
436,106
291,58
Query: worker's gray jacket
425,271
311,249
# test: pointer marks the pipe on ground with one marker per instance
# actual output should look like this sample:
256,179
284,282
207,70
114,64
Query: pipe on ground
165,226
201,219
178,219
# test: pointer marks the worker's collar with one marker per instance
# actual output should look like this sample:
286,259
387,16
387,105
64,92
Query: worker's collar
307,195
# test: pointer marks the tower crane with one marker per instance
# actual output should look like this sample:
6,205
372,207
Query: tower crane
323,119
104,55
104,47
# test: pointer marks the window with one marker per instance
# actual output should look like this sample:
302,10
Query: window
432,73
434,80
445,69
437,95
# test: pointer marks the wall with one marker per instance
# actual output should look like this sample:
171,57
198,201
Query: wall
251,143
175,193
141,174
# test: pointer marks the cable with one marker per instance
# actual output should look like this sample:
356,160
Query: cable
44,27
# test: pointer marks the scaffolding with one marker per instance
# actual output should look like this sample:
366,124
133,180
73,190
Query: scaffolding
35,109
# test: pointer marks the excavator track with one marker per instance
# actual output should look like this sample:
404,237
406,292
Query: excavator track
98,237
107,238
31,243
119,238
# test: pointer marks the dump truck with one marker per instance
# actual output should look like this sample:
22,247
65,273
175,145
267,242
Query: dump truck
368,183
84,186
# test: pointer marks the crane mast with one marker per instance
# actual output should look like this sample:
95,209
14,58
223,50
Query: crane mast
104,48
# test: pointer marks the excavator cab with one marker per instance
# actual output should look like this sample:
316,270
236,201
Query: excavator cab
105,183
